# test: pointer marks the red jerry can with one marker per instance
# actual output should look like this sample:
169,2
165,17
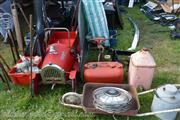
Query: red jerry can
104,72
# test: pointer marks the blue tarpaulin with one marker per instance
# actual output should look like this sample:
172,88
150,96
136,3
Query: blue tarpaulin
6,20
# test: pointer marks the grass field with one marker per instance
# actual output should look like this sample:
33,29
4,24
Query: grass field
19,105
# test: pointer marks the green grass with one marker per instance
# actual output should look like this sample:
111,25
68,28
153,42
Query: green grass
19,105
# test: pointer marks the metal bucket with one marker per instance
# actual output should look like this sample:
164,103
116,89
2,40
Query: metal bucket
166,97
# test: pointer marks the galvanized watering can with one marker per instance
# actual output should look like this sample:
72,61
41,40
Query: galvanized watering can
166,97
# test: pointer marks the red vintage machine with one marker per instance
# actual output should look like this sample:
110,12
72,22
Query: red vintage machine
60,64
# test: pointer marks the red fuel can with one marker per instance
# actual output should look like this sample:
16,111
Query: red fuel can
104,72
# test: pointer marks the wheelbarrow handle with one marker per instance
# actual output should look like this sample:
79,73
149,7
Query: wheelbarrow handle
157,112
70,105
59,28
152,90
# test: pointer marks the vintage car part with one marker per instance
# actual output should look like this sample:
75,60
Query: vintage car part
112,99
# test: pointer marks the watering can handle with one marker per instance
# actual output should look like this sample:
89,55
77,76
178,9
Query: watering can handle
58,28
173,97
155,92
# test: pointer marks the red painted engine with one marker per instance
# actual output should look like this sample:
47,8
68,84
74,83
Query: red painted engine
59,64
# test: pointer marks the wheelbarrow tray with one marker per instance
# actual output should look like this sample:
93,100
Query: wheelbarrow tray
87,100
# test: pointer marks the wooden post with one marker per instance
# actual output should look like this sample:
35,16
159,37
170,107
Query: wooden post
17,27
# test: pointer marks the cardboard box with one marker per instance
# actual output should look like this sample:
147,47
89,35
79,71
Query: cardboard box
170,2
168,6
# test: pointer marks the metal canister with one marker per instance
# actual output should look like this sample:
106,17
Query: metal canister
141,69
166,97
103,72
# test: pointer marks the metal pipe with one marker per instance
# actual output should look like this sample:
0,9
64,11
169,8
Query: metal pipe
177,85
121,52
22,12
74,17
38,10
145,92
157,112
20,8
38,43
136,34
31,53
38,48
152,90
